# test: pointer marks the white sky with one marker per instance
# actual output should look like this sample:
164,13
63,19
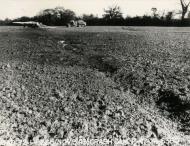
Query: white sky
17,8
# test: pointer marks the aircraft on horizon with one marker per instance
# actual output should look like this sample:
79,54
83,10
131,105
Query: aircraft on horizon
32,24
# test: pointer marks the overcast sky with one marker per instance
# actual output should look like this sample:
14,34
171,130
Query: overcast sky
17,8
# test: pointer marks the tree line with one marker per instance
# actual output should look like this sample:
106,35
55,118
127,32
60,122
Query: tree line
60,16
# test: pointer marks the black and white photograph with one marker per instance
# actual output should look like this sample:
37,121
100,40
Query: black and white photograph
94,72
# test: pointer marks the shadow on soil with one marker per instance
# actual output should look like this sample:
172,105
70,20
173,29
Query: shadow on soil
176,107
104,63
75,54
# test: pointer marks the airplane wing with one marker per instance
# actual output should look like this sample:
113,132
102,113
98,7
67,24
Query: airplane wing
29,24
32,24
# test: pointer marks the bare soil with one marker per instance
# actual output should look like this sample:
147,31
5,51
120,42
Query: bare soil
110,83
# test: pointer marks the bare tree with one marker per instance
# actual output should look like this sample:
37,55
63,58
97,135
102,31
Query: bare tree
188,15
154,12
170,15
113,13
184,8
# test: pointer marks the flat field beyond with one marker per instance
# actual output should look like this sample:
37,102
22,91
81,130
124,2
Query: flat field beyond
130,83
